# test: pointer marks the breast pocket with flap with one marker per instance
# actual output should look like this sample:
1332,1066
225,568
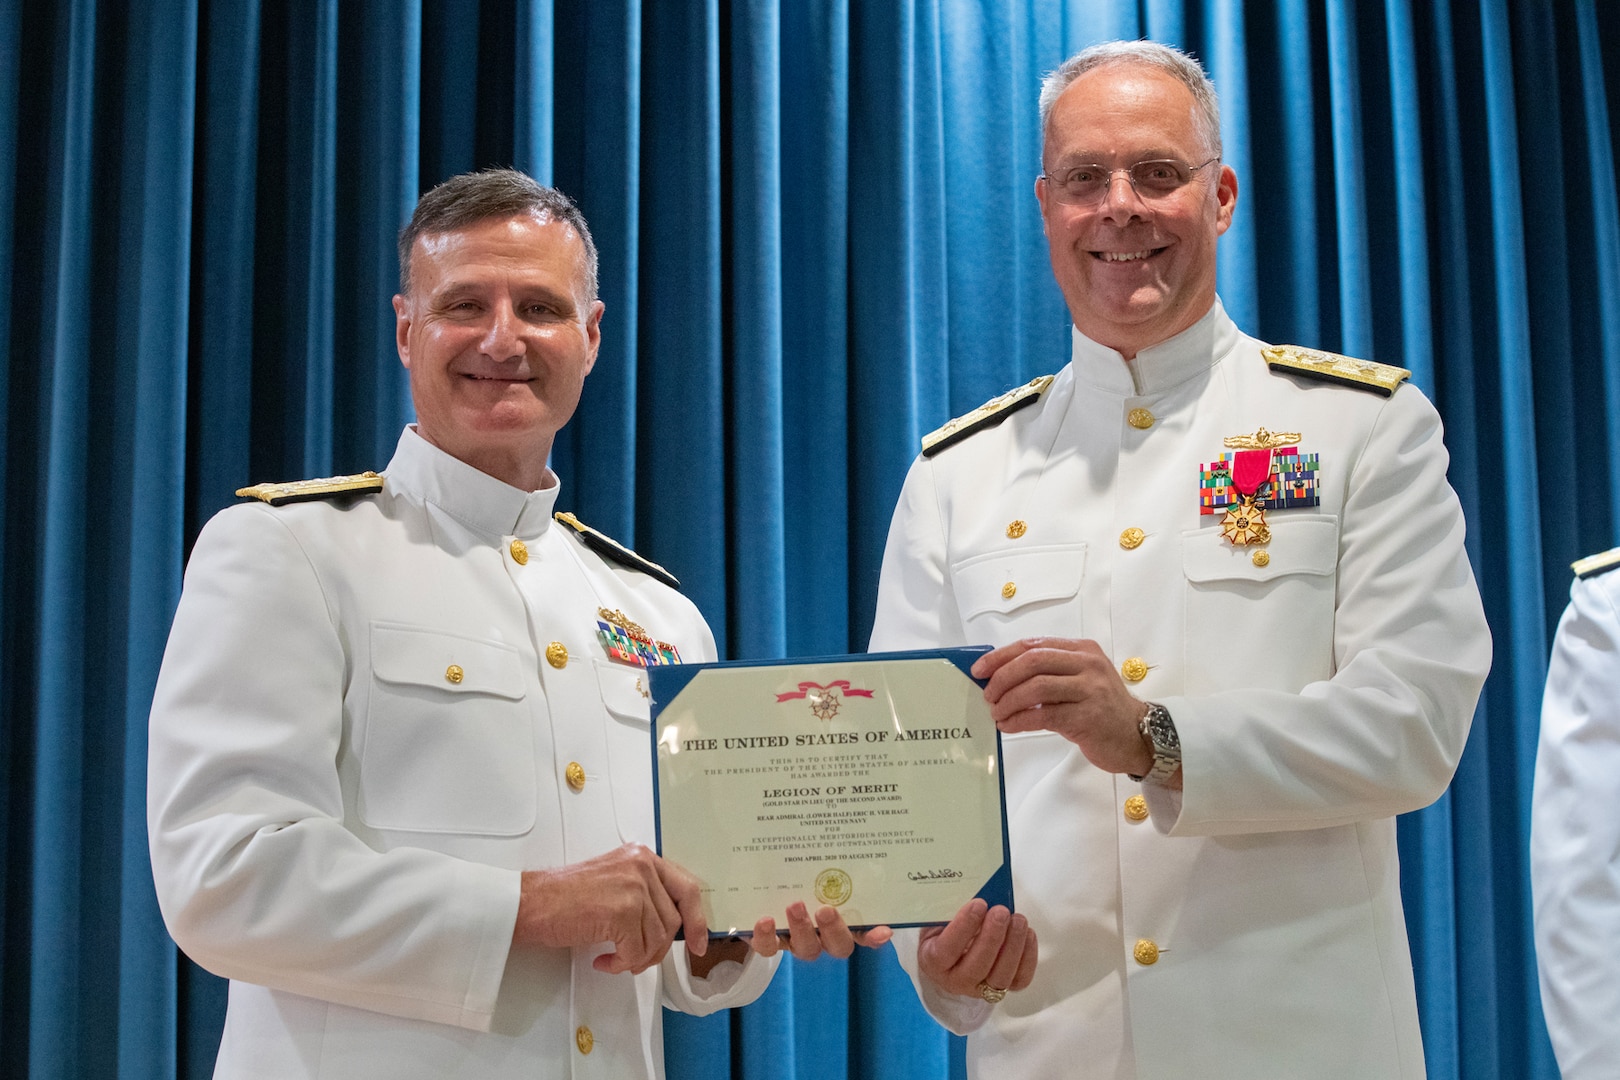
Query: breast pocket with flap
630,748
448,742
1261,622
1011,594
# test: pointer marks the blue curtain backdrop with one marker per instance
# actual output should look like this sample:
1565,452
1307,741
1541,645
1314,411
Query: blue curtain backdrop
819,241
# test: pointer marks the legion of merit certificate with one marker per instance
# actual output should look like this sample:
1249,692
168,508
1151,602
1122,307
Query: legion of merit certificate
871,783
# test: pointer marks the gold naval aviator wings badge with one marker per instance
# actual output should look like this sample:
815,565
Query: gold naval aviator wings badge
1262,439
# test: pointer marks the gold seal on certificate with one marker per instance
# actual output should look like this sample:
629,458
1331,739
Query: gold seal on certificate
868,783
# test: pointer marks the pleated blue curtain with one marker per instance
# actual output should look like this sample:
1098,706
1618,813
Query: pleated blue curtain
819,241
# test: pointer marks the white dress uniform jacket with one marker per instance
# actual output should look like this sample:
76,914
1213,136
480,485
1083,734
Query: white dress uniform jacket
1575,831
1321,684
357,744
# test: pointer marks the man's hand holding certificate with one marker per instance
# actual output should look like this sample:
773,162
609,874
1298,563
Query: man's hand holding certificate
871,785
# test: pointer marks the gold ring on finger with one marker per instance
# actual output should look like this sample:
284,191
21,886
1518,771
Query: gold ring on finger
992,994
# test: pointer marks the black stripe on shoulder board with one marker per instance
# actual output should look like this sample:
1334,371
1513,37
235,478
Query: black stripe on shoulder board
986,416
613,551
1594,565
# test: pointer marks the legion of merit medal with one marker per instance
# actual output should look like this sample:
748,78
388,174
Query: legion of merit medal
1246,523
1264,471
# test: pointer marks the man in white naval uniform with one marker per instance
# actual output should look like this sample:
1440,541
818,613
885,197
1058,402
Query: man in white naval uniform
1575,828
1231,572
400,787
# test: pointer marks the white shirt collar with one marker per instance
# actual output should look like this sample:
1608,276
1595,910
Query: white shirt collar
1158,367
482,503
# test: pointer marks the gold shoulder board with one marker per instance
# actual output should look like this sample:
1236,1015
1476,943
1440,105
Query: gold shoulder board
986,416
1331,367
324,487
613,551
1593,565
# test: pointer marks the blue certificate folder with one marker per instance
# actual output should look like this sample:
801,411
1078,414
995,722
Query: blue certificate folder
872,782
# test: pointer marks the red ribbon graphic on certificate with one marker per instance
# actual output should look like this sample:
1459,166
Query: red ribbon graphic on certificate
837,684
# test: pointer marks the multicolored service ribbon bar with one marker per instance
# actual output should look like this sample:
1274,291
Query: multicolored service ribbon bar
628,643
1287,480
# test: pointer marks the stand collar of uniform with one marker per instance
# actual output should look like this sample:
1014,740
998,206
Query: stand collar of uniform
1160,367
477,500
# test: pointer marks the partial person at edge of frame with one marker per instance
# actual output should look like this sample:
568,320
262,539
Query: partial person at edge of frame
1575,828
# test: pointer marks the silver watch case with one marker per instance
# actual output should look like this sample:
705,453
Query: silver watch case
1159,731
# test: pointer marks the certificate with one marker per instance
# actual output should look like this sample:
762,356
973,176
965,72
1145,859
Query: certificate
869,783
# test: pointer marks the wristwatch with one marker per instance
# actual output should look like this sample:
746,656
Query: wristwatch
1159,732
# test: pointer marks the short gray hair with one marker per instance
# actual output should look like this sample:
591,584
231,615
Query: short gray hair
1166,58
481,196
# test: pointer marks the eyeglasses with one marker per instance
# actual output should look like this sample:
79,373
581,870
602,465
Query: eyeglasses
1151,179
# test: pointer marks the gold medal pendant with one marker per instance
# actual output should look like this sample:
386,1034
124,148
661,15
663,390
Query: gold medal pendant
1246,523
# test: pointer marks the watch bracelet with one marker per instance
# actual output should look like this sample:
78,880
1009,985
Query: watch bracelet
1164,765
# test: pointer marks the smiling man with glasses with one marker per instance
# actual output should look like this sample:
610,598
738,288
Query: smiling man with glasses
1081,184
1236,634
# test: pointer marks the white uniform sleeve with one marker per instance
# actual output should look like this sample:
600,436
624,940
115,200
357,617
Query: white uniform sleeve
958,1015
257,877
915,612
915,608
1411,649
729,985
1575,835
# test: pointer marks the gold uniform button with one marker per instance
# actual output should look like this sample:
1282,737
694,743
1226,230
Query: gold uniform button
584,1039
1008,591
454,674
557,654
576,775
1146,952
1135,669
1016,529
1132,538
1261,558
1136,808
520,552
1139,418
